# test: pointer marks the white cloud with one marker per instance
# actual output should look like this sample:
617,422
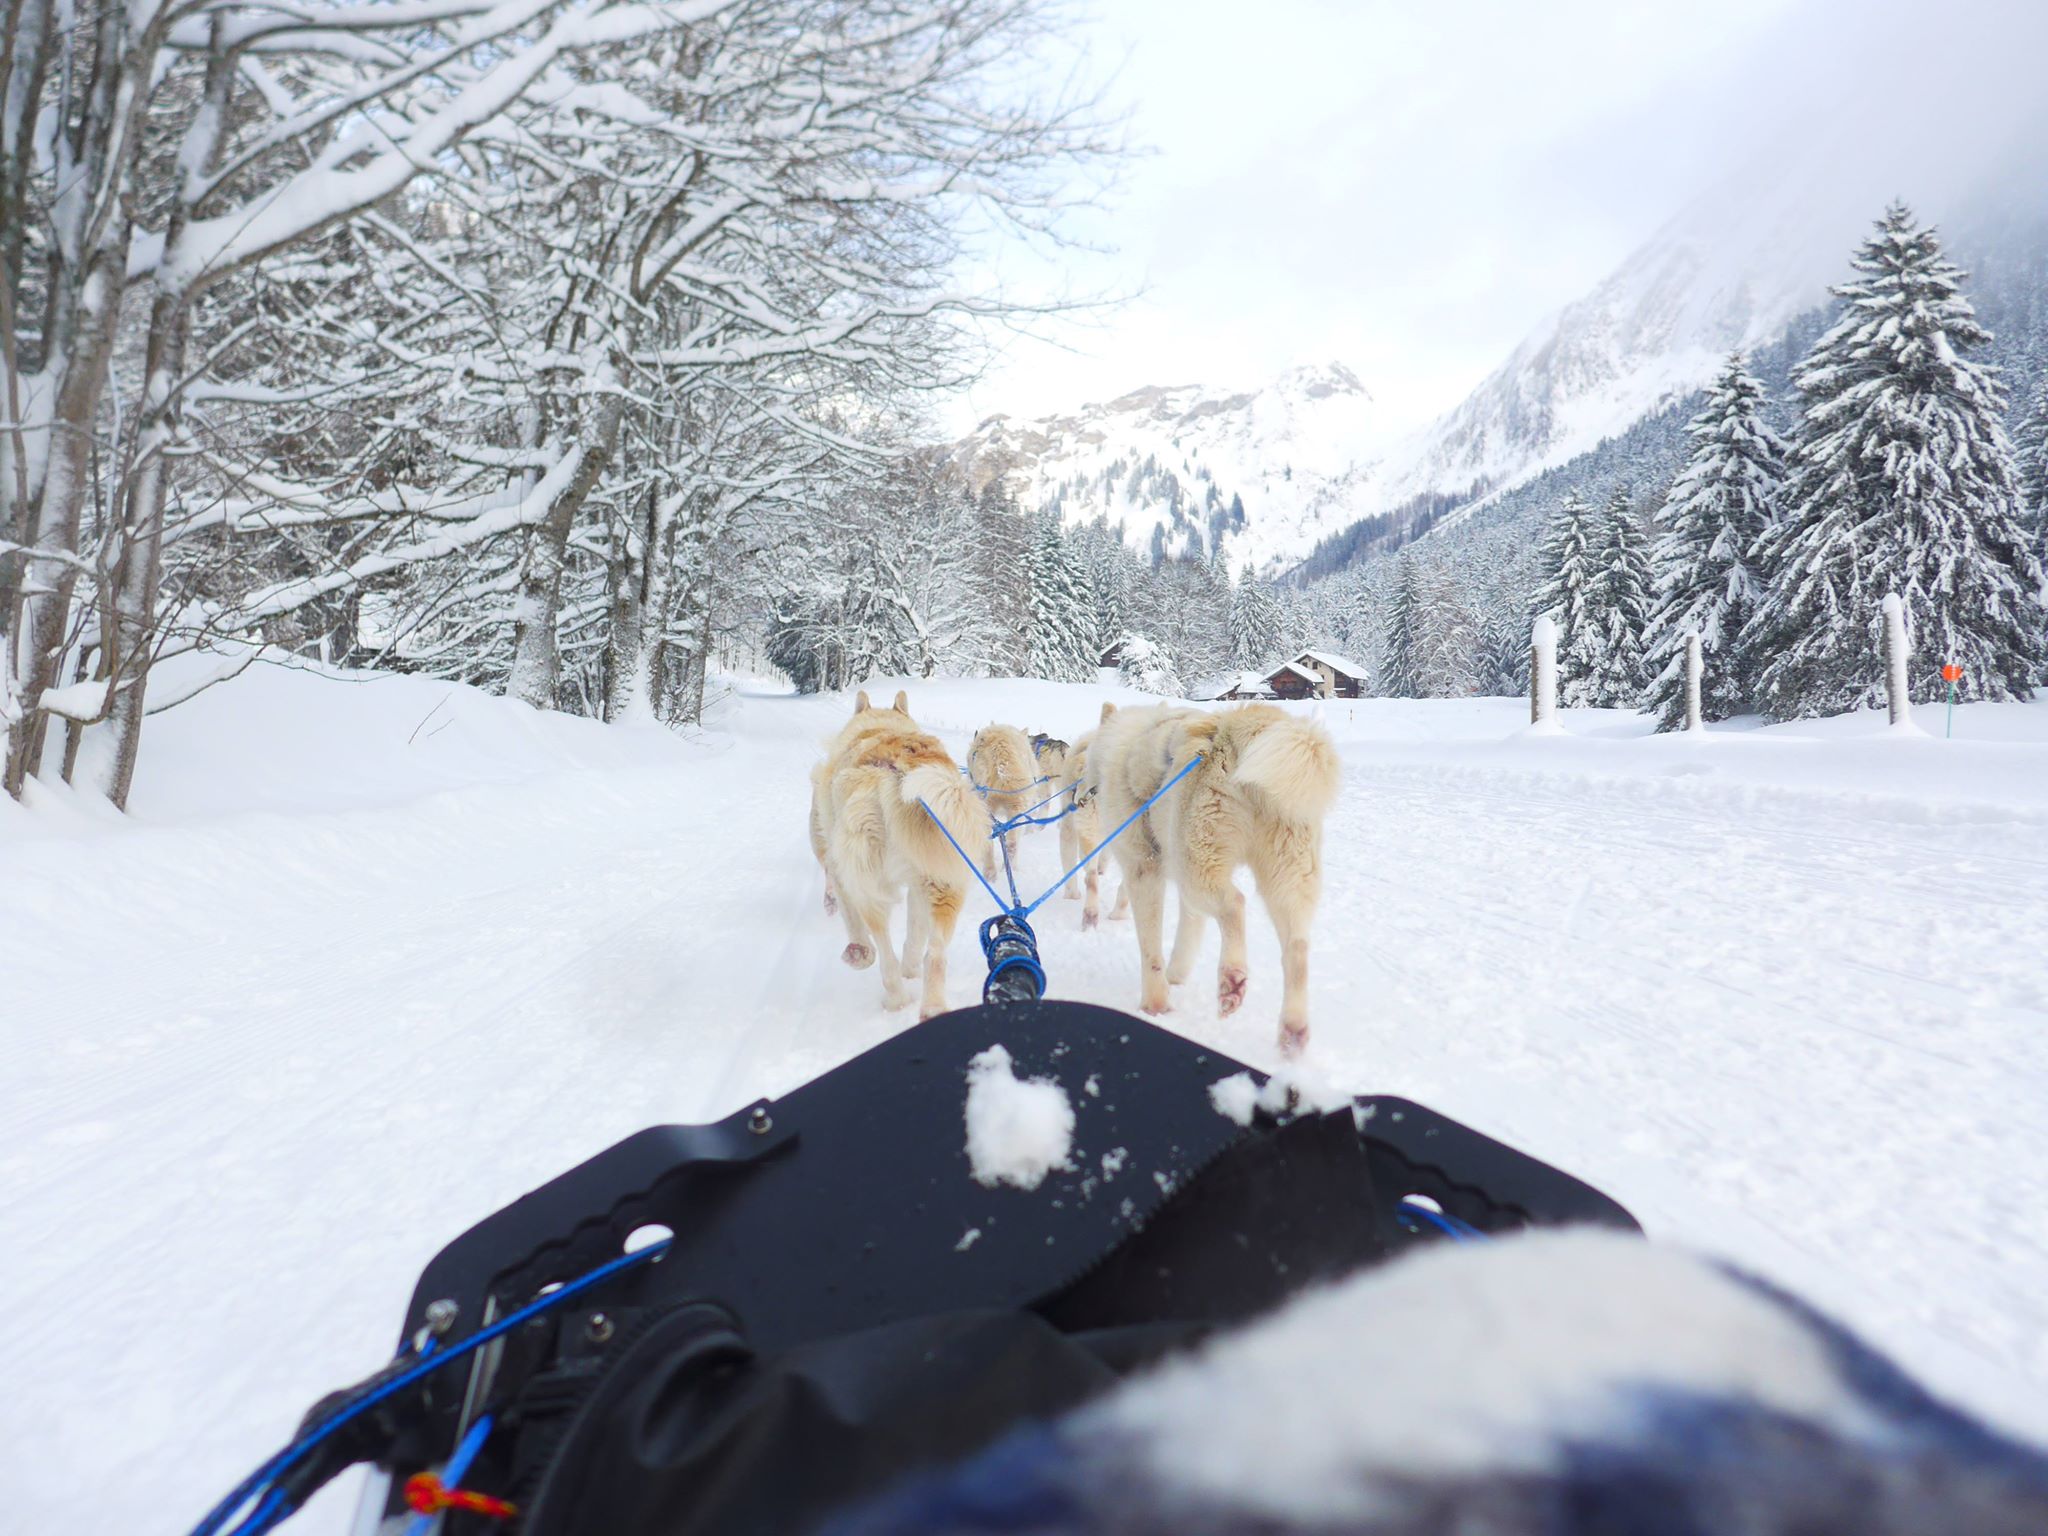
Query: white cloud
1409,188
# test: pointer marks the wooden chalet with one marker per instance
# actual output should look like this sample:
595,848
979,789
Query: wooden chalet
1288,681
1335,677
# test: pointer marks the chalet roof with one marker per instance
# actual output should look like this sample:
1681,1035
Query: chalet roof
1334,662
1287,666
1229,683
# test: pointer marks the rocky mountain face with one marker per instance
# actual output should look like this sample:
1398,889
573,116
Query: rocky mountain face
1260,473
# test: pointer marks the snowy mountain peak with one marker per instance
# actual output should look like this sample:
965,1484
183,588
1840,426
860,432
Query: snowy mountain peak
1319,381
1187,468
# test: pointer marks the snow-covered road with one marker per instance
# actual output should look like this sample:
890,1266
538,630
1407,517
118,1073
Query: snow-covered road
340,990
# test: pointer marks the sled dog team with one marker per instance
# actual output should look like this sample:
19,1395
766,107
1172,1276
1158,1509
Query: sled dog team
1257,799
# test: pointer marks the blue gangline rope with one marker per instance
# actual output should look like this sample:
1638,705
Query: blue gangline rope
297,1451
266,1516
1015,908
1456,1230
1119,832
985,790
1025,818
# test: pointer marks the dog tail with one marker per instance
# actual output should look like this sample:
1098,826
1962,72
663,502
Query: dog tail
1292,766
958,809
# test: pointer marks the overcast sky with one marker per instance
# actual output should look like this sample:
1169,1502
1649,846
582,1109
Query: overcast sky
1409,186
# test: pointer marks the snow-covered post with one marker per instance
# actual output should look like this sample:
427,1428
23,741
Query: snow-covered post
1896,691
1692,681
1543,671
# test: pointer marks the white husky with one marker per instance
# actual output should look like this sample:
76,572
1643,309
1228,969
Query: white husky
1265,781
877,845
1005,772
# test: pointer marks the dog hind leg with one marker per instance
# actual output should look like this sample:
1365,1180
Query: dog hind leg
1289,887
875,912
916,929
1187,939
860,945
1147,887
943,904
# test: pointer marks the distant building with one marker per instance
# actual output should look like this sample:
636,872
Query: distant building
1335,677
1288,681
1232,687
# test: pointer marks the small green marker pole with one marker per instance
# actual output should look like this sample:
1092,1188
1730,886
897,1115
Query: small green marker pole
1951,674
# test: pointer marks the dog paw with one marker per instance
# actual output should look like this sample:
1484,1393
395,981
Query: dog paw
859,956
1090,919
895,1002
1230,985
831,904
1293,1039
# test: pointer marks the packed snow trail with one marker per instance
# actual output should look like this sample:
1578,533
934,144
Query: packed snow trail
372,960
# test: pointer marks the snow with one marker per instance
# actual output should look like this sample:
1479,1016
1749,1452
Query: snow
1235,1097
1018,1131
373,956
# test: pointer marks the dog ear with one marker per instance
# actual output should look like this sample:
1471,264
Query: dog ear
902,705
860,702
1108,709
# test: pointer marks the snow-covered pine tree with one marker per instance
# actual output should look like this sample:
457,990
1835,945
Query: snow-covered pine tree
1254,623
1445,633
1619,605
1402,643
1503,659
1146,667
1569,565
2031,457
1062,640
1901,481
1716,510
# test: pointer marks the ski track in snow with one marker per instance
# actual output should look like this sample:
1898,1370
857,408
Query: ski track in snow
1800,1027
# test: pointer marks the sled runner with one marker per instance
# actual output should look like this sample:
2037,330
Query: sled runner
832,1298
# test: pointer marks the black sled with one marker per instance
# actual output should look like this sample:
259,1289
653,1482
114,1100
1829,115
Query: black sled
823,1299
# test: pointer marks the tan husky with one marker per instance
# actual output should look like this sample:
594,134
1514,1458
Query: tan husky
1000,762
1258,798
876,845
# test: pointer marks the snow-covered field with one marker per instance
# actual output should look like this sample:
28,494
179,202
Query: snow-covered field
373,956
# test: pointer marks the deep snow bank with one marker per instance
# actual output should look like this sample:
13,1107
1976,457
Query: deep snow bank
374,956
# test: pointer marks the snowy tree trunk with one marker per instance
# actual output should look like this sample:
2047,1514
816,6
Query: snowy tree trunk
128,647
628,675
1543,672
536,676
54,522
1897,683
1693,720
